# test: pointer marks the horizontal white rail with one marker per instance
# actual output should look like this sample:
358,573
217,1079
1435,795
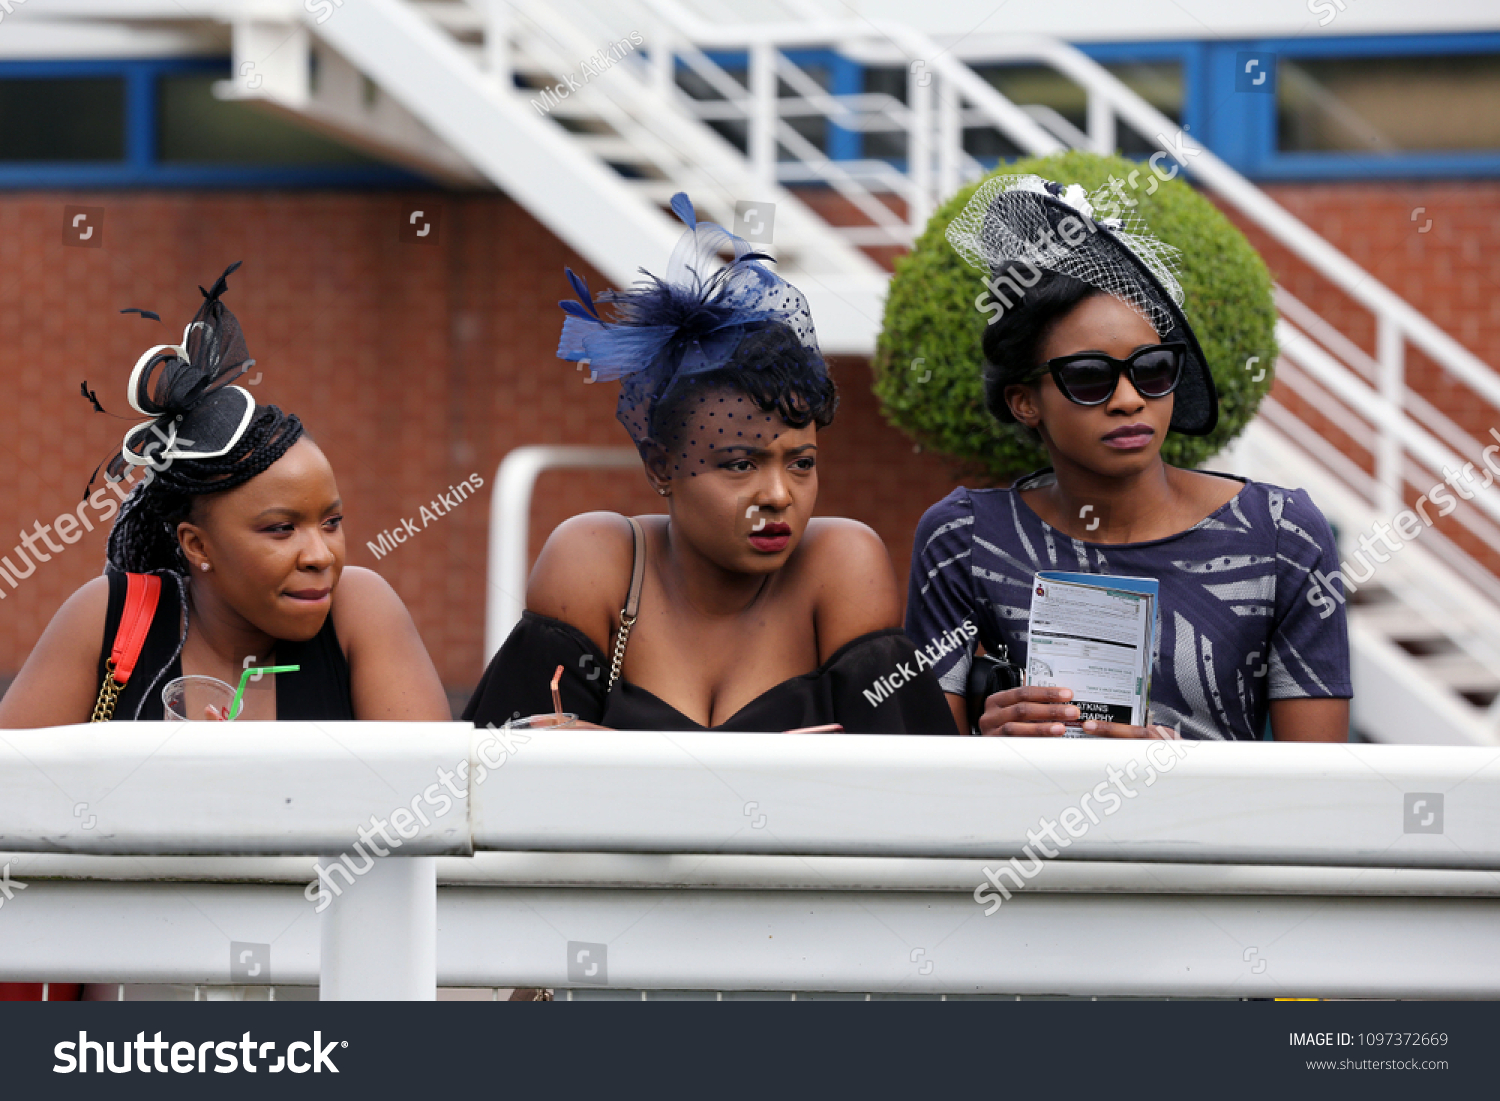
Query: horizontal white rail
710,872
251,788
952,797
1208,933
303,787
844,862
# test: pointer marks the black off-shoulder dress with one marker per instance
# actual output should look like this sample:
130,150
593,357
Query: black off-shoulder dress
871,685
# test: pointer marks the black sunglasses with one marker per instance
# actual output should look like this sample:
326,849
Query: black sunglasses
1090,378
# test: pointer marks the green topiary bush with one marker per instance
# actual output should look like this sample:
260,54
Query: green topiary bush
928,360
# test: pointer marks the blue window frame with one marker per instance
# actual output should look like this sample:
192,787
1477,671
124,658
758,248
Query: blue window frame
142,164
1226,111
1242,128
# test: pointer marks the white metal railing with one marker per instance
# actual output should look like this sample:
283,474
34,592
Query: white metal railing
749,861
510,524
935,168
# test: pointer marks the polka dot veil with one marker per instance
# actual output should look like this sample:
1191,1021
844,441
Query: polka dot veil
714,357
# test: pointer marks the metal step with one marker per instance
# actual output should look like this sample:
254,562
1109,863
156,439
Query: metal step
1399,622
611,148
1460,672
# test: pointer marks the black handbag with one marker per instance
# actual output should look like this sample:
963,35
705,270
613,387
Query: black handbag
989,674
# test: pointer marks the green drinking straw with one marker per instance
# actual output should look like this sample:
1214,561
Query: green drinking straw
234,707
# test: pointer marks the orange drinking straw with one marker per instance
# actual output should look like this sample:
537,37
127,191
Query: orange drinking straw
556,697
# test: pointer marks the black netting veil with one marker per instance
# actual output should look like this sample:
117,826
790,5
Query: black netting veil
1016,226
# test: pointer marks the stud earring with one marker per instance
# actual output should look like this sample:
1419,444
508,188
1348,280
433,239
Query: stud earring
663,491
203,565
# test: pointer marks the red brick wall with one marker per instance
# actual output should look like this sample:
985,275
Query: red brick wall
1437,245
415,366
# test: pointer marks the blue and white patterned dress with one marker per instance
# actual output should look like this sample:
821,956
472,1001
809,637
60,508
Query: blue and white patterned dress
1244,618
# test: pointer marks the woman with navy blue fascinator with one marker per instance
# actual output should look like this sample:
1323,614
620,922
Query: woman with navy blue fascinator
226,551
737,609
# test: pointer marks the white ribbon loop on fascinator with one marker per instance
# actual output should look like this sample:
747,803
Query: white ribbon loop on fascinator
184,389
217,422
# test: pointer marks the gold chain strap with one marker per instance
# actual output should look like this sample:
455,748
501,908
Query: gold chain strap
109,695
626,622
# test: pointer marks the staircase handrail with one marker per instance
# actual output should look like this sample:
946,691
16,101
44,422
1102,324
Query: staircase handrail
1214,173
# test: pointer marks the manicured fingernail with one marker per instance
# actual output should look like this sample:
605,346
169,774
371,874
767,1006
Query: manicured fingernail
1072,712
1090,725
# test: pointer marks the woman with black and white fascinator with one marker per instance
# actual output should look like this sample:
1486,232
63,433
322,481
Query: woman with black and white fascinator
227,553
1092,355
738,609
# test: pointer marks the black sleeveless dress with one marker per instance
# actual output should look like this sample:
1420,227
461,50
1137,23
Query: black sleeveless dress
873,684
319,691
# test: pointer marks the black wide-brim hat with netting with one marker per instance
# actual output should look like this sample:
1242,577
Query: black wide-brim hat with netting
1019,220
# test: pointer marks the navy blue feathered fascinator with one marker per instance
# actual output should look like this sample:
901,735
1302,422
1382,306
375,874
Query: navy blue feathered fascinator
684,323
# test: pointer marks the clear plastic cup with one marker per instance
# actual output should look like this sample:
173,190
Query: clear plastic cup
188,699
540,722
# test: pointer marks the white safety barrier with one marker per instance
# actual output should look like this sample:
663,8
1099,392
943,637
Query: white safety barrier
717,861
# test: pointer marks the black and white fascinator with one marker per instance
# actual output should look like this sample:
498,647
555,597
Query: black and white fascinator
185,389
195,413
1015,227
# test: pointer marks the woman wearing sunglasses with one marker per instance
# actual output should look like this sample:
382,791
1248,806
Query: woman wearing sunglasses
1092,356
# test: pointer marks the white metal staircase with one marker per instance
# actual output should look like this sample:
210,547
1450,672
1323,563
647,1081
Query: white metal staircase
640,110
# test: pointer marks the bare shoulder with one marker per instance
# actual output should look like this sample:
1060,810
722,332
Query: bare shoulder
361,594
81,618
582,573
851,547
87,607
391,675
60,678
850,572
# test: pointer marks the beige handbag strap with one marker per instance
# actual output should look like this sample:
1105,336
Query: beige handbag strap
632,601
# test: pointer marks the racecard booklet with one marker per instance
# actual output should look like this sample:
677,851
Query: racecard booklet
1096,634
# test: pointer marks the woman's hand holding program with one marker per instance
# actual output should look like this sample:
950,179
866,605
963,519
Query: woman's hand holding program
1036,712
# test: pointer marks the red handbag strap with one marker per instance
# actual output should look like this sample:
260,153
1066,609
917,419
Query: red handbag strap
142,591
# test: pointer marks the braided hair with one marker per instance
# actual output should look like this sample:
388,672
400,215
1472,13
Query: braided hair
144,536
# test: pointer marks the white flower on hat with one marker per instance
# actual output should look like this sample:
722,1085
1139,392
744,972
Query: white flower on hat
1077,198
